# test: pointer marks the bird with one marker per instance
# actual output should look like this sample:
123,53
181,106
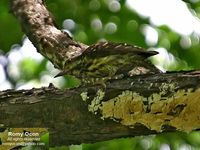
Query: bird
105,61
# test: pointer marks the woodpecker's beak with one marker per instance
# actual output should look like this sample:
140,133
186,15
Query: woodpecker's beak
62,73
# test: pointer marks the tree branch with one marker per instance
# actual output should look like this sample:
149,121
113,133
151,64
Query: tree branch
139,105
38,24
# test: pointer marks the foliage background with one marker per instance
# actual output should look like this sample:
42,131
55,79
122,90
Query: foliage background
89,21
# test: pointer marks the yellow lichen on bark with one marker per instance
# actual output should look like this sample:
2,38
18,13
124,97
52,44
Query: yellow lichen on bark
180,110
189,118
96,102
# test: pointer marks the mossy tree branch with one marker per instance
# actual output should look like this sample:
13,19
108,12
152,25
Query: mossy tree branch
140,105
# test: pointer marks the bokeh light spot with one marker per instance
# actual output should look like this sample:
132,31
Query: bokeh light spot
82,37
164,147
69,24
132,25
114,6
96,24
185,42
94,5
110,28
151,35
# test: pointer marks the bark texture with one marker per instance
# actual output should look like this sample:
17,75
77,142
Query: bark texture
37,23
72,119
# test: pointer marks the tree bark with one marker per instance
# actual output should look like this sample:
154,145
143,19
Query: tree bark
38,24
140,105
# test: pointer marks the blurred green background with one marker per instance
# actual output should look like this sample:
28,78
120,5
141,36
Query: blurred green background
171,27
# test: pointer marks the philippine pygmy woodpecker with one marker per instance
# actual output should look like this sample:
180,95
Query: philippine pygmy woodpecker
107,60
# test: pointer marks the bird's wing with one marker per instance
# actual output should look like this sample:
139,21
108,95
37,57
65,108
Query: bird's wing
110,48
